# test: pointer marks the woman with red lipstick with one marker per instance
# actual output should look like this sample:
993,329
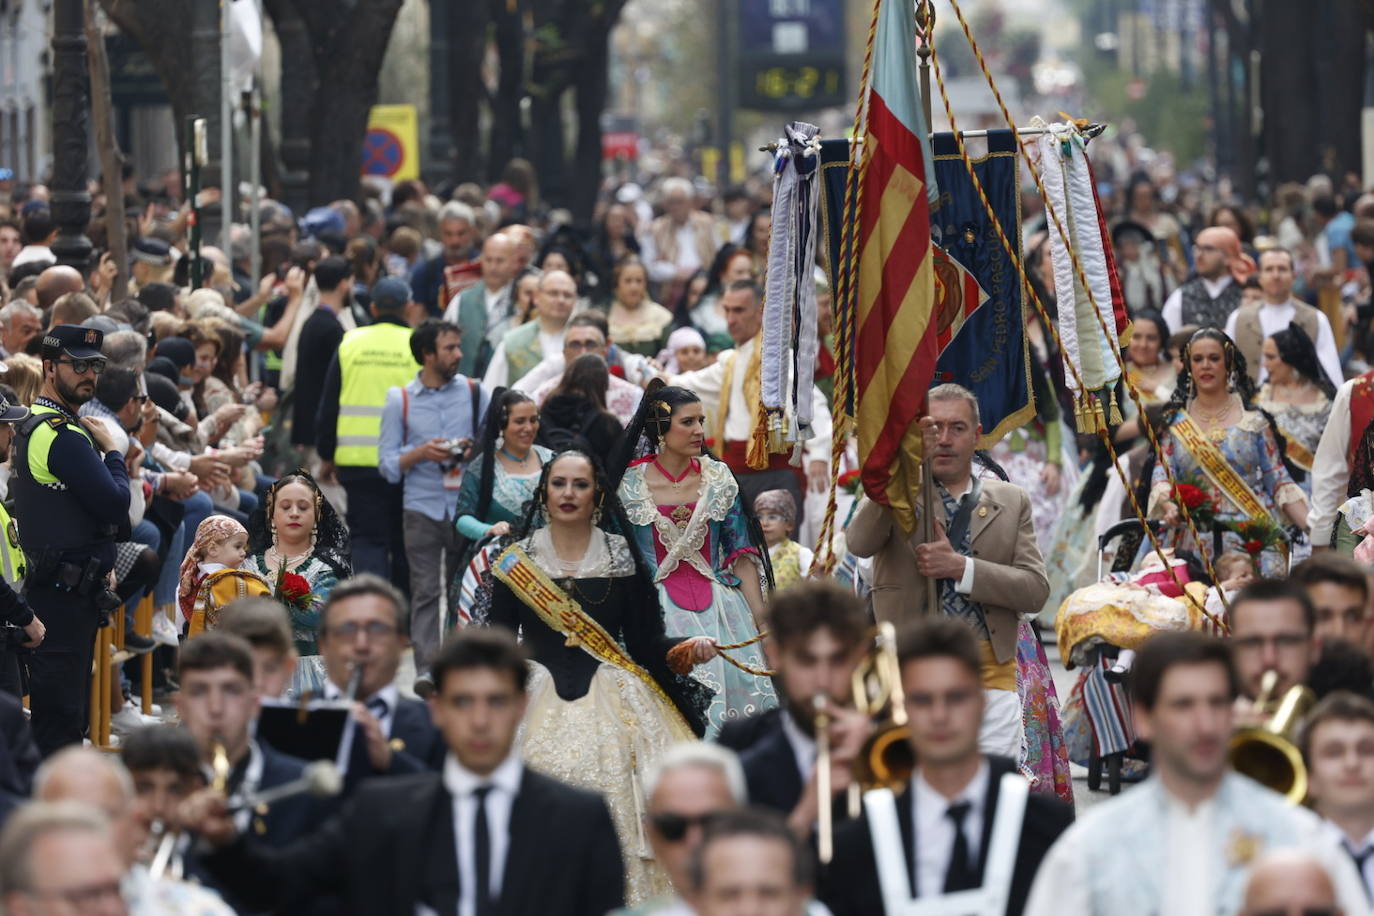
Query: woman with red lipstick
607,695
1217,440
691,526
298,531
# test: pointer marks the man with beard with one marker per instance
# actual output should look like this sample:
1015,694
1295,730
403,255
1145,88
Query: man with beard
71,492
818,634
424,427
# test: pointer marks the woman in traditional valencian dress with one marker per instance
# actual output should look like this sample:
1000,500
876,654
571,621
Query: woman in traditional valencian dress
690,525
1219,442
496,488
1297,394
607,695
298,531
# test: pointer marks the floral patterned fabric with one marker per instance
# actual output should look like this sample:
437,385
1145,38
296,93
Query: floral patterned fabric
1249,447
1044,755
692,550
1301,425
305,624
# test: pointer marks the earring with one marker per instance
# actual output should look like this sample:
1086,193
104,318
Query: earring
501,441
596,516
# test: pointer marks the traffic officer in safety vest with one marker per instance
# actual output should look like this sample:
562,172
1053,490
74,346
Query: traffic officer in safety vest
71,496
22,626
370,362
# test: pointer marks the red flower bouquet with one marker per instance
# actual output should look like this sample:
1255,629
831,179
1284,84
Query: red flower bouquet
1195,496
293,590
1258,535
850,482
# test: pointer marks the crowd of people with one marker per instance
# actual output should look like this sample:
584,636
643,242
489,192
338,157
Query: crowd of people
459,496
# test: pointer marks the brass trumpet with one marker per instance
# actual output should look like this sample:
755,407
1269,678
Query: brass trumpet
219,766
1267,753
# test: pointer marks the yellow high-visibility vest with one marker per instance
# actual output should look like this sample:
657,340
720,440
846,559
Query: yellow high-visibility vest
12,564
371,361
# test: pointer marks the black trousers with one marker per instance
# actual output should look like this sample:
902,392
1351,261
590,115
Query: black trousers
375,527
60,667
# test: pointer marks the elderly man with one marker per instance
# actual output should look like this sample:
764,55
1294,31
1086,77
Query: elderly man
691,784
731,402
1250,325
586,333
437,281
525,347
19,324
680,242
984,556
51,854
97,780
750,863
484,310
1290,883
1214,293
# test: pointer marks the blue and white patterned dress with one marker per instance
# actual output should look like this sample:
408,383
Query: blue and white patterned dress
692,549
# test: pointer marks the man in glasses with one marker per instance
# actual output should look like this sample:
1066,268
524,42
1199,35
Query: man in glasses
1220,267
692,783
1250,325
364,625
71,492
1272,623
588,333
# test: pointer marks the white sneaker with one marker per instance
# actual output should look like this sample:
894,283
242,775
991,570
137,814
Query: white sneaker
129,718
164,631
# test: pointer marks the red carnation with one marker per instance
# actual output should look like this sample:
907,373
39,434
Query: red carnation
294,587
1189,495
849,479
1253,547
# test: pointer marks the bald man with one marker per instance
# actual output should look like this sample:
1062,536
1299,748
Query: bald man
484,311
56,282
1289,882
1214,291
98,780
525,347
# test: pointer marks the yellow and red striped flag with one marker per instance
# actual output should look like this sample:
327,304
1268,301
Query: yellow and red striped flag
896,330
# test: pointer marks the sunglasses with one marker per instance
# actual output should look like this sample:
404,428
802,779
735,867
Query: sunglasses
82,366
673,827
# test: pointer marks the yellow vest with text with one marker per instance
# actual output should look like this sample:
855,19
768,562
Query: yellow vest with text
372,360
12,565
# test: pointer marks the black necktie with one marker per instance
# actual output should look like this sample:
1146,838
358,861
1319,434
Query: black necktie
378,707
481,852
960,876
1361,858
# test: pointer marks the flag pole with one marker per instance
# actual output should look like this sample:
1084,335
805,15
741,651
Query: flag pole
925,24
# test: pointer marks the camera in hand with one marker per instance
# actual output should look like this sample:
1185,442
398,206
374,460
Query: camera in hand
459,450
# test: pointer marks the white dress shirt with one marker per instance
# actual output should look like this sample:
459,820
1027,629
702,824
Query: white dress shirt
1330,469
461,783
1363,848
498,370
1190,859
1275,318
935,830
1173,306
739,421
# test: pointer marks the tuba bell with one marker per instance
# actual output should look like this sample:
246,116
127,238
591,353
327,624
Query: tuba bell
1267,753
886,760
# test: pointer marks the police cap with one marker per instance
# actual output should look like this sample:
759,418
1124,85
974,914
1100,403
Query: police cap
74,341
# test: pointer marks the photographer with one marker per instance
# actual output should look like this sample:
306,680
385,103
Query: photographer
427,431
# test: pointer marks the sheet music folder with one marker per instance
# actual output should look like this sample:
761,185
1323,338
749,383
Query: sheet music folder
311,731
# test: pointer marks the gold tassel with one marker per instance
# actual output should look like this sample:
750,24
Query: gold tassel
757,456
1116,411
1099,418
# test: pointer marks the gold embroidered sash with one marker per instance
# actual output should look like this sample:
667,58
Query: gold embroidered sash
1217,469
564,615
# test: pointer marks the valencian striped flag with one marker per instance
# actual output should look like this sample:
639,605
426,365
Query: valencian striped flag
896,333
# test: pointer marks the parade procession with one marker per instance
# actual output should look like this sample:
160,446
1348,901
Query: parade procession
686,458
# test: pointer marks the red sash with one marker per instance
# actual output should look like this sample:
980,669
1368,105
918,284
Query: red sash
1361,412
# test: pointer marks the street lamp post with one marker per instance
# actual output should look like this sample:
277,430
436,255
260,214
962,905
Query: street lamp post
71,203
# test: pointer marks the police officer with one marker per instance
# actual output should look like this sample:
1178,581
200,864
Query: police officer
71,493
369,363
22,627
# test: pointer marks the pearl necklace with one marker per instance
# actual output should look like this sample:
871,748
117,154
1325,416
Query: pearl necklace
274,559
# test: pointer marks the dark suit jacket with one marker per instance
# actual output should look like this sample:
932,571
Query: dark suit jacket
420,746
850,885
770,767
392,847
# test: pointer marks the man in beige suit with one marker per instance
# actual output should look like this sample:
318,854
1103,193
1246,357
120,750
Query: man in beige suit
984,556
